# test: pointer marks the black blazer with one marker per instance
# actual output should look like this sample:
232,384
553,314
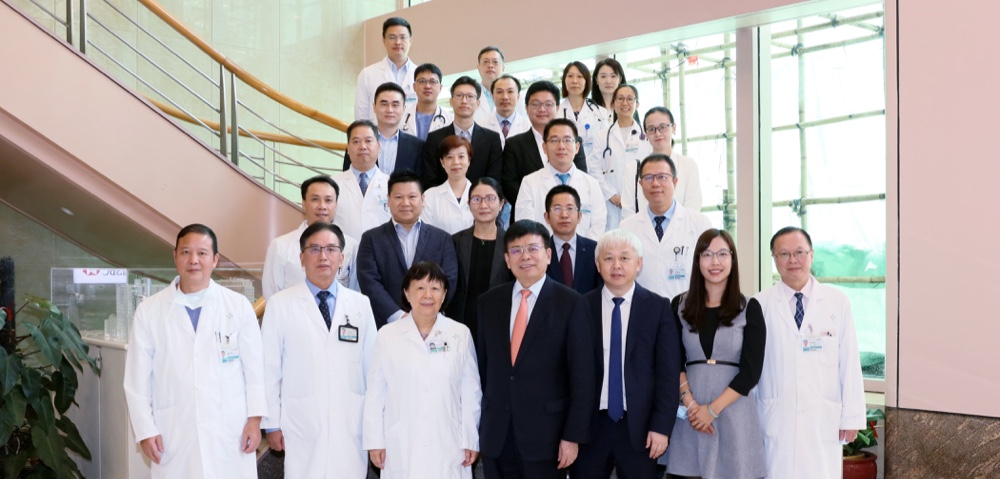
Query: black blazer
521,158
499,273
652,363
382,266
408,154
487,152
585,275
551,386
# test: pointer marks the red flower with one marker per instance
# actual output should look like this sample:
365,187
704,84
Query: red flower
871,424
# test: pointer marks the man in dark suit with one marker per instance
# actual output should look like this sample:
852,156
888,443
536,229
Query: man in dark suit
386,252
637,357
536,366
522,155
572,255
398,150
487,151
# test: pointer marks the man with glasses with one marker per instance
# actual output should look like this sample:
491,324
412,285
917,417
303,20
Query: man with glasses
811,387
573,255
561,146
318,338
396,67
487,150
524,154
425,115
397,150
667,229
490,64
536,365
387,252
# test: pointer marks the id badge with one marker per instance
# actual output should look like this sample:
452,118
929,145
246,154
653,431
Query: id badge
347,333
229,348
678,269
438,347
383,201
812,343
682,412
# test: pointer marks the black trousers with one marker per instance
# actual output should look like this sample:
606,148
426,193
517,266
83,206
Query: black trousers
610,449
510,464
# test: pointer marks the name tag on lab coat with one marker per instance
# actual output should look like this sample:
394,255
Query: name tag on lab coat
347,333
678,268
812,343
438,347
230,348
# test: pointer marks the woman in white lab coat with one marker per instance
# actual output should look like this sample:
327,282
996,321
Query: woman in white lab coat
622,143
446,206
590,118
423,400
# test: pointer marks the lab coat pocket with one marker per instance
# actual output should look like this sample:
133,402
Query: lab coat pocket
830,356
770,425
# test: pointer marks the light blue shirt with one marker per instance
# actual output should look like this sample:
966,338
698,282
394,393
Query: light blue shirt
408,242
424,124
489,97
668,215
399,73
535,289
467,134
509,119
387,152
357,175
572,249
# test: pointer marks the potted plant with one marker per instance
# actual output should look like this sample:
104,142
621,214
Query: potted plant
858,463
38,381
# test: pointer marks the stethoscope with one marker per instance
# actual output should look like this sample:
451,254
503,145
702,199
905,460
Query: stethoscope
607,142
406,122
576,116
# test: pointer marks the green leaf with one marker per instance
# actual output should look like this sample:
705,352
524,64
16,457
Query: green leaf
50,351
10,369
875,415
73,439
64,383
44,472
65,338
12,414
13,465
44,414
50,446
31,382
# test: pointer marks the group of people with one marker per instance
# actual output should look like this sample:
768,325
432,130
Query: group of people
541,295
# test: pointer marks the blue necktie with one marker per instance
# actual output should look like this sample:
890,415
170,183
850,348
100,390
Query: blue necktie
800,312
324,307
363,180
506,128
659,227
563,177
616,399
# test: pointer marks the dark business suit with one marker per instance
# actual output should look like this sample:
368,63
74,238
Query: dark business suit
521,158
499,274
547,396
652,372
382,266
585,275
409,154
487,152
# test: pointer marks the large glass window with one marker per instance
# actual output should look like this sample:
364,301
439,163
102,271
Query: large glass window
828,156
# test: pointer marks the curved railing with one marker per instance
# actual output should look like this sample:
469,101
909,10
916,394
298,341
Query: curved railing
222,104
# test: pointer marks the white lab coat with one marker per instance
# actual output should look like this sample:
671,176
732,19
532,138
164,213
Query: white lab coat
368,81
806,398
423,407
610,167
316,383
665,272
531,200
442,117
443,210
283,268
593,120
177,385
520,124
687,192
356,213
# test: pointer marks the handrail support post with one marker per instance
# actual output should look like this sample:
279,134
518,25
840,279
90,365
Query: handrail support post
223,140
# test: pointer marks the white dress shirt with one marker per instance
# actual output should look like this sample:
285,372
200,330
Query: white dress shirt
535,289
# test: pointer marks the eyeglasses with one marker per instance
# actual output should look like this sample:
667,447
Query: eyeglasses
425,81
722,254
393,38
662,127
532,249
537,104
785,256
315,250
566,140
490,199
626,99
570,210
662,178
465,96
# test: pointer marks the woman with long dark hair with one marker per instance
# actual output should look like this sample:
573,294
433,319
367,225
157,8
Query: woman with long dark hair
590,118
722,342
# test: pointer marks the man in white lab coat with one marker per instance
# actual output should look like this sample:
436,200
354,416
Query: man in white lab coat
318,338
507,98
395,67
282,266
667,229
363,200
561,147
425,115
811,391
194,371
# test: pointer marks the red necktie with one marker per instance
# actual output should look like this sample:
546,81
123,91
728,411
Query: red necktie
566,264
506,128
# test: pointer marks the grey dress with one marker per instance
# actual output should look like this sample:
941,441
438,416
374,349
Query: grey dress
736,450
